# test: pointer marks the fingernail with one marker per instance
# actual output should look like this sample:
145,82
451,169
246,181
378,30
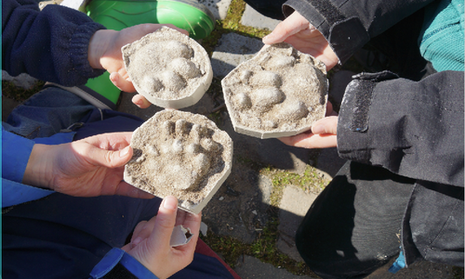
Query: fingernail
318,129
268,37
136,241
170,203
265,38
124,151
113,76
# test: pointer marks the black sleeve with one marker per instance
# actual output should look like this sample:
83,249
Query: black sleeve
414,129
349,25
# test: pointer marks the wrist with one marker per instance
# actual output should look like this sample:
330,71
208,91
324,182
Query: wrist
98,44
38,171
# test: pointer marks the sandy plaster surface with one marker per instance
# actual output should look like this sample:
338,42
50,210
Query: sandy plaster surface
278,92
182,154
168,68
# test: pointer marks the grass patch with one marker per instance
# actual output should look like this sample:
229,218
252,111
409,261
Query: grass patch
310,181
263,248
231,24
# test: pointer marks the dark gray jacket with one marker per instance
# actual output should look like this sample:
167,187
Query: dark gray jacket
412,128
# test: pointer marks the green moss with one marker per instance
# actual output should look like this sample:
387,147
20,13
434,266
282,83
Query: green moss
263,248
232,24
309,181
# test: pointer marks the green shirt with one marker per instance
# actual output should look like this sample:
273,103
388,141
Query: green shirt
442,41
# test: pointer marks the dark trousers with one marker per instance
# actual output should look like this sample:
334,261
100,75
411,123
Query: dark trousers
353,226
61,236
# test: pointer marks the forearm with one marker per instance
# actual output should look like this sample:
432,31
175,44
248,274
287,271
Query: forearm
98,43
51,45
39,167
16,151
350,25
414,129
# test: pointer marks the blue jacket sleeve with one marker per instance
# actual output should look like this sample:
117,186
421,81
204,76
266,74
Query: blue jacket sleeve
117,257
15,155
50,45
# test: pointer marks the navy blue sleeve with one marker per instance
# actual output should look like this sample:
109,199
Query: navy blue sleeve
50,45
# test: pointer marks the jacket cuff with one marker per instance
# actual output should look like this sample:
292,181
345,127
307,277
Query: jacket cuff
345,34
119,264
353,131
79,47
16,151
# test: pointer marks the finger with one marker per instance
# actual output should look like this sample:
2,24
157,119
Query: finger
143,231
137,230
102,157
291,141
329,109
327,125
138,235
164,223
318,141
122,83
279,34
109,141
141,101
311,141
288,27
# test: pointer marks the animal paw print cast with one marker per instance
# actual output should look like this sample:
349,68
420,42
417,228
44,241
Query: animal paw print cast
177,73
167,65
182,156
278,89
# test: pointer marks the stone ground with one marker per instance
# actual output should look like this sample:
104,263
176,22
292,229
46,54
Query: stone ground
250,199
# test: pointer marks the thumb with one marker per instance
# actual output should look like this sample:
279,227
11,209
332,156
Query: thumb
278,35
286,28
164,223
110,158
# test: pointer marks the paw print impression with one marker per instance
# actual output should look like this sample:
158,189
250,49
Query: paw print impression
181,154
279,92
168,68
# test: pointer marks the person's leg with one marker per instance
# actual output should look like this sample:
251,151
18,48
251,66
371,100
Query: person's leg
62,236
352,227
65,237
46,113
206,265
